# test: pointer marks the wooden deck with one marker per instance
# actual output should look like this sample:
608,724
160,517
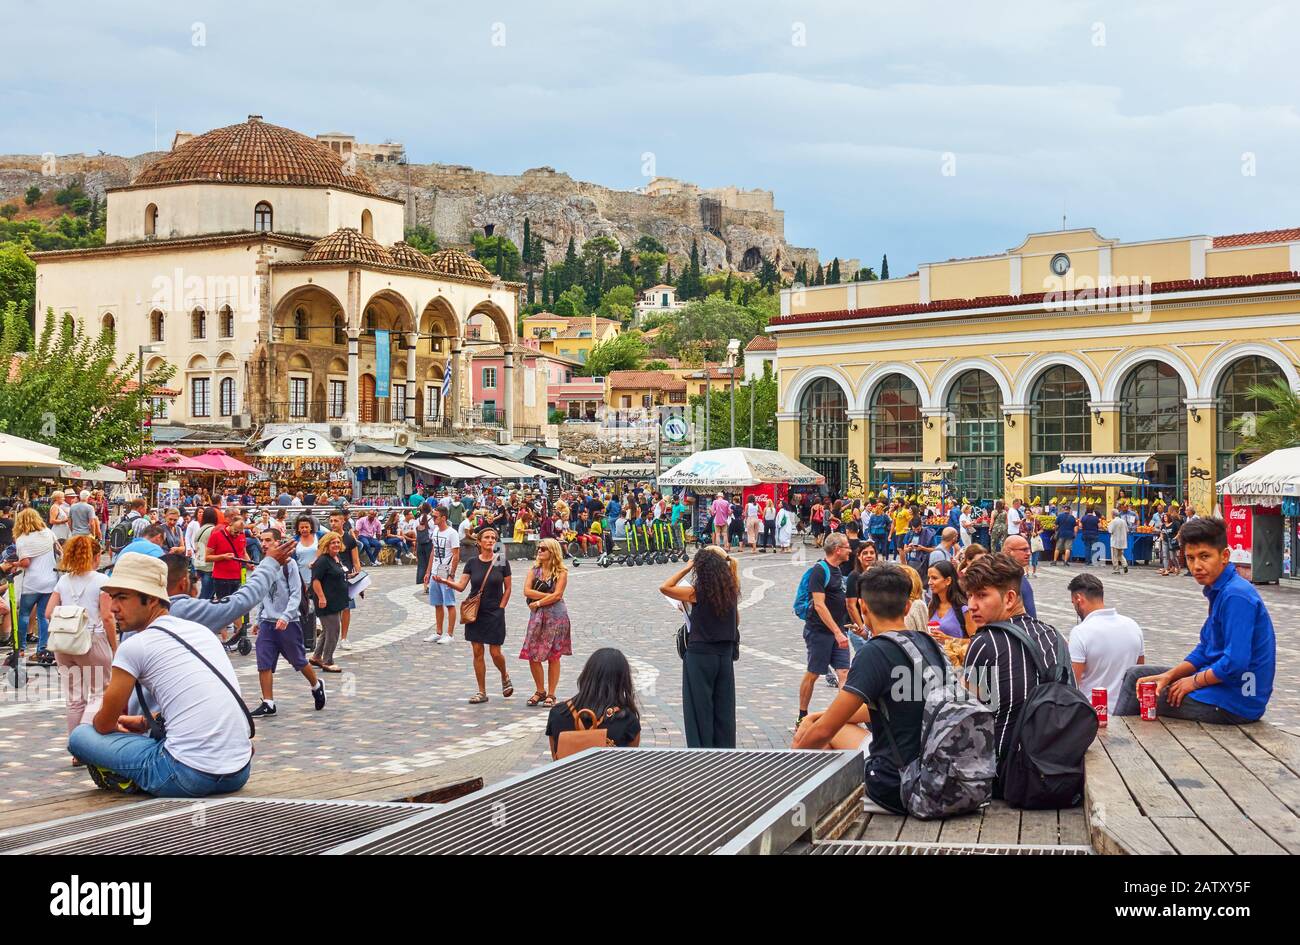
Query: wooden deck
417,787
1181,787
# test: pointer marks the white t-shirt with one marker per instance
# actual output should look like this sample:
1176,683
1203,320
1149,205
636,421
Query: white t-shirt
82,590
445,541
191,533
206,728
464,528
1013,521
1109,643
40,576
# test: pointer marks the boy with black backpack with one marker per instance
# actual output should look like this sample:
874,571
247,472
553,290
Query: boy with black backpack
1020,667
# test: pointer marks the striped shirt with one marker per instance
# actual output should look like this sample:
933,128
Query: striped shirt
1001,672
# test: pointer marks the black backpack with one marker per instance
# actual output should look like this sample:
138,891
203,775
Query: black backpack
1043,770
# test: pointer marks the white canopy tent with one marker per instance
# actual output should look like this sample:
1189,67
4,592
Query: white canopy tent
738,467
1057,478
1266,481
17,453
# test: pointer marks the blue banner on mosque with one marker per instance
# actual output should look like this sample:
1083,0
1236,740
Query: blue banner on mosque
382,367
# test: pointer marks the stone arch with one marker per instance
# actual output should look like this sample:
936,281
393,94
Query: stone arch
391,310
155,364
299,362
226,360
439,318
1224,357
882,371
321,305
504,326
1120,367
151,220
197,363
751,260
1031,369
337,366
955,369
794,392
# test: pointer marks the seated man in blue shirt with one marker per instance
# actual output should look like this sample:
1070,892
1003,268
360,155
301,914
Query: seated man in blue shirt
152,542
1228,678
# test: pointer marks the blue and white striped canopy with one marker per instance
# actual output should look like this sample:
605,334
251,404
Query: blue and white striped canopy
1130,464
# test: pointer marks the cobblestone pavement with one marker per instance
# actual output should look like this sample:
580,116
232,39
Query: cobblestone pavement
401,703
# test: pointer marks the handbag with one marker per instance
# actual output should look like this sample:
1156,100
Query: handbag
1036,543
583,736
70,629
469,607
683,635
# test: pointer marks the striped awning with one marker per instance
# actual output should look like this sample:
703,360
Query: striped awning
1129,464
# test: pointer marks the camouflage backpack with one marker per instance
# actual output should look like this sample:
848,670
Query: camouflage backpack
955,770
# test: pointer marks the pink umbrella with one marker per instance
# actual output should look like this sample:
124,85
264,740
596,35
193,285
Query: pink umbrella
164,458
220,461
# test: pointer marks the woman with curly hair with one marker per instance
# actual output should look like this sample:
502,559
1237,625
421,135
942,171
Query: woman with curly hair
82,677
713,643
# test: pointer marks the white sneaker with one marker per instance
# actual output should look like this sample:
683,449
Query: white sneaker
434,637
447,638
345,644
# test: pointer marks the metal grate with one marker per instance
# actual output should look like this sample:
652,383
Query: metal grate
83,823
899,848
253,826
619,801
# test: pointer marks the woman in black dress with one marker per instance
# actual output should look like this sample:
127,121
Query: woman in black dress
489,627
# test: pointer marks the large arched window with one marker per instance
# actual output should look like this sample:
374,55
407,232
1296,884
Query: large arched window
975,435
1059,421
895,425
108,326
300,323
340,331
156,326
226,396
824,431
198,324
262,217
151,220
1234,402
1153,419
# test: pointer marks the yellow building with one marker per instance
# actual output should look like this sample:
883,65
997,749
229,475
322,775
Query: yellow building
1069,342
640,390
571,338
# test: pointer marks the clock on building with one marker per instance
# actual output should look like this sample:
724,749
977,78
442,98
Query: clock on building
1060,264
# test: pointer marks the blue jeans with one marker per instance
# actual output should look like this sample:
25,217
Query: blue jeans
370,546
25,604
147,763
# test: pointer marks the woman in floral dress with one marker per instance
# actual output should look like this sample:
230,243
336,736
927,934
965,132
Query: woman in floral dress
548,622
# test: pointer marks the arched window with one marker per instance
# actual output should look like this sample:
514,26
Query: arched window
226,396
370,319
198,324
262,217
895,424
108,326
227,322
975,435
1059,421
340,331
367,224
824,431
151,220
69,323
1153,419
300,323
156,325
1233,402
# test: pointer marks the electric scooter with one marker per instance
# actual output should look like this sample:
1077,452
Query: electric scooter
661,552
633,547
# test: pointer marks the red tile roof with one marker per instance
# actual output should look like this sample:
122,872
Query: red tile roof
645,380
762,343
1036,298
1254,239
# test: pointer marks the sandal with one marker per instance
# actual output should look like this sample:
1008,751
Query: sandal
479,699
332,668
549,702
536,698
315,662
507,687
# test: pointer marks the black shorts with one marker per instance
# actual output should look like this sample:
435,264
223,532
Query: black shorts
224,587
823,652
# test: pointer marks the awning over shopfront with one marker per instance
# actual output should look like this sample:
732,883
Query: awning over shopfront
624,470
736,467
1267,481
568,468
448,468
1129,464
305,443
505,468
898,466
97,474
376,455
1058,478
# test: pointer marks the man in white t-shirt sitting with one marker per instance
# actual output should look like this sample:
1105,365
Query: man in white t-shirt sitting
207,746
1103,645
444,555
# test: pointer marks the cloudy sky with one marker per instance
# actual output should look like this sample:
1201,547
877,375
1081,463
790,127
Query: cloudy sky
922,129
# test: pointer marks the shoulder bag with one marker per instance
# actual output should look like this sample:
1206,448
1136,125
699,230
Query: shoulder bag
157,727
469,608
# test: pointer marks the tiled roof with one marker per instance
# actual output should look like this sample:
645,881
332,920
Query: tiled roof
717,372
348,243
762,343
174,245
254,152
454,262
1038,298
645,380
404,254
1254,239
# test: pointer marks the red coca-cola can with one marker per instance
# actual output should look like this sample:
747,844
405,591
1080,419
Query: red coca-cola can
1099,705
1147,699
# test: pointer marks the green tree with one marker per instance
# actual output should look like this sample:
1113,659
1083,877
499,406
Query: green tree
526,250
498,253
820,277
33,194
9,211
531,299
690,285
648,244
572,302
546,287
624,352
69,392
1275,428
570,271
648,266
618,303
422,238
655,366
706,325
866,275
834,278
17,280
768,277
884,266
719,408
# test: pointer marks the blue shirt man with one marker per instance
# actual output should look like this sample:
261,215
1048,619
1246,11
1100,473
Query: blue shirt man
1237,646
1065,522
143,546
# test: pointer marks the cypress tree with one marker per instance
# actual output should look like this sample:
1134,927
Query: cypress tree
572,269
530,287
527,254
884,266
668,273
726,288
820,277
835,272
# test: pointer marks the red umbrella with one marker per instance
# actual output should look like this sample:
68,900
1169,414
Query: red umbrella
164,458
220,461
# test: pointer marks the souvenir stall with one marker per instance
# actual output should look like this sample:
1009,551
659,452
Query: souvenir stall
29,470
378,473
300,461
1261,506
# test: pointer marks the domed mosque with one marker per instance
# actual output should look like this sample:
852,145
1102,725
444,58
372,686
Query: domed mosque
272,273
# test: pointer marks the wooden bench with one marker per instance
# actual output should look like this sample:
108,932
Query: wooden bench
1170,786
415,787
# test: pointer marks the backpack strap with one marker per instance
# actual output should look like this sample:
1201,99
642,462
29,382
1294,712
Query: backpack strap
919,661
1059,668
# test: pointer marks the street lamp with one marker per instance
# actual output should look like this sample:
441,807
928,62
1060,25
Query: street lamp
733,350
144,349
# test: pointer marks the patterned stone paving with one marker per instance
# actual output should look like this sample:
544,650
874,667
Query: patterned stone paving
401,703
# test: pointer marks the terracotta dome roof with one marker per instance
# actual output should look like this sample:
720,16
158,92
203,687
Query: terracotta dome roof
348,244
453,262
255,152
404,254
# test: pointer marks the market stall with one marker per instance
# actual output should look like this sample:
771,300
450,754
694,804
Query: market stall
570,470
1140,538
378,472
912,478
300,461
1261,506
